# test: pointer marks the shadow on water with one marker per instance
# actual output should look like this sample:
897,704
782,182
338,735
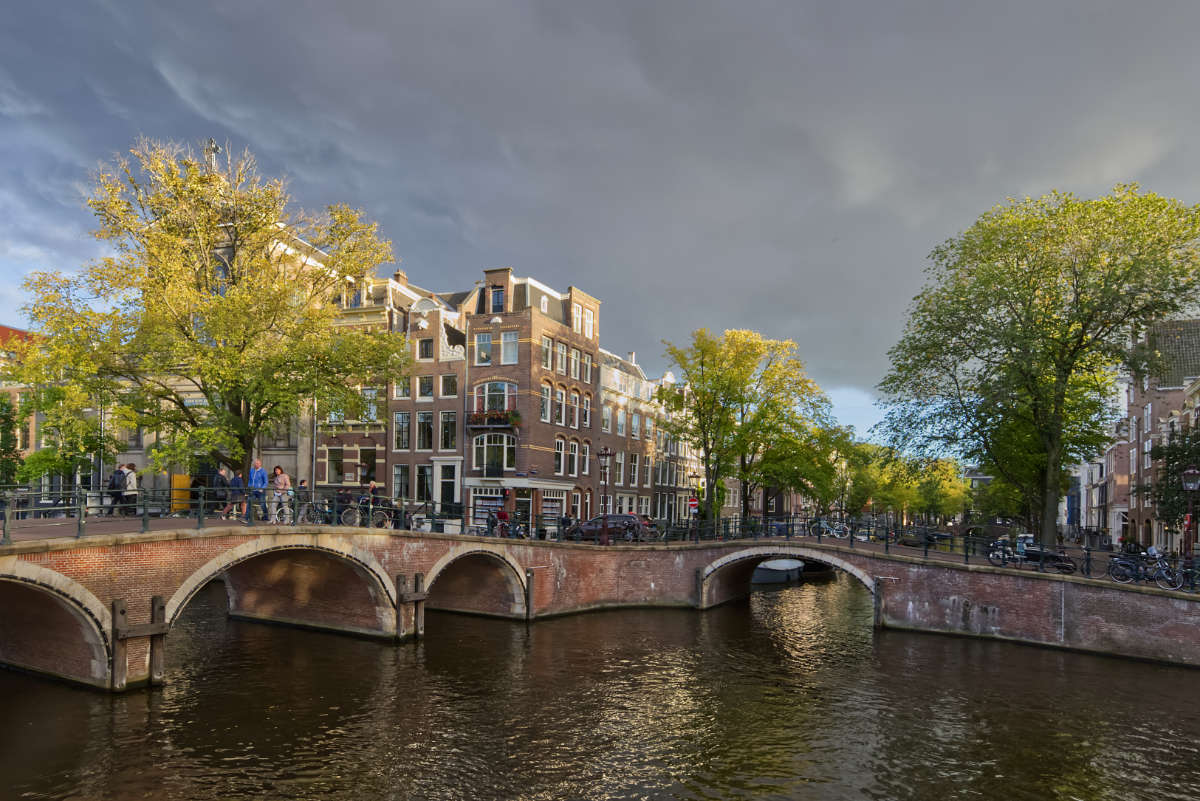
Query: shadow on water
789,694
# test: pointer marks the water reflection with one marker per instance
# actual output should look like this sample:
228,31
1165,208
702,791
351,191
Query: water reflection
789,695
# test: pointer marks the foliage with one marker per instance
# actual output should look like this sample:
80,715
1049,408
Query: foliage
1011,349
214,318
69,431
1177,454
10,457
744,403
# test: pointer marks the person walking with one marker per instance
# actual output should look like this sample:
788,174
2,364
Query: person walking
564,525
258,488
237,496
130,492
281,485
220,492
116,488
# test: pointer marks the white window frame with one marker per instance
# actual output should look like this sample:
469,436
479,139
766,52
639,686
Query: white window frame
620,422
560,406
547,403
508,347
576,317
421,397
619,464
633,469
560,455
433,432
606,418
573,403
547,353
588,320
587,411
585,454
635,425
478,338
586,372
561,349
442,385
573,458
402,390
575,363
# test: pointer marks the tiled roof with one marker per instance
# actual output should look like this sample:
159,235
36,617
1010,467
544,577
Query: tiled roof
8,333
1177,343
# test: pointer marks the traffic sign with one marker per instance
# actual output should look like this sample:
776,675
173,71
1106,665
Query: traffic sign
693,504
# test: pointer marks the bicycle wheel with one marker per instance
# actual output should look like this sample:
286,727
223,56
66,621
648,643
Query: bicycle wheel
1121,572
997,557
381,519
840,531
1065,565
1169,578
350,516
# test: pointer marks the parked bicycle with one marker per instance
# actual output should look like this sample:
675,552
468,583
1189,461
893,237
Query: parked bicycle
1003,553
1125,568
377,511
819,527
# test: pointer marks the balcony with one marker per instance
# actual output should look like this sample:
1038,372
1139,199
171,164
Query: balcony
494,419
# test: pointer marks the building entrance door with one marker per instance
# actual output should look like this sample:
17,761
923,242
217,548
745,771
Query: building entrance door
524,510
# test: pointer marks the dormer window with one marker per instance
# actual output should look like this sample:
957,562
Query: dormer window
497,300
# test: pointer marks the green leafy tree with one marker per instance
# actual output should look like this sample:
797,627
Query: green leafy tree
1023,322
70,434
215,317
1178,453
737,394
10,456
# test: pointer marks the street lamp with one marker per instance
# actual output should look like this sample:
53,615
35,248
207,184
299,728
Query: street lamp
1191,483
693,478
602,458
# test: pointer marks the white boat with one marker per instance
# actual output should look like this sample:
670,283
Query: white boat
777,571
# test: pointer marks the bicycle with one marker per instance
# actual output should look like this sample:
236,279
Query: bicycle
1127,568
819,527
362,510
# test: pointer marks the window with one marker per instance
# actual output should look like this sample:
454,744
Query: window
496,396
586,374
575,505
425,349
547,390
574,362
559,450
424,387
1147,416
450,386
402,389
633,469
619,464
644,505
586,457
336,468
1132,461
370,399
606,418
649,428
562,357
576,317
646,471
366,465
483,349
448,480
587,323
495,453
449,439
620,422
497,300
560,407
635,425
545,304
400,481
548,353
573,459
587,411
424,431
574,414
508,347
402,432
424,482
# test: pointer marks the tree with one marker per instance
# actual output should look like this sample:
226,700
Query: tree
941,490
214,318
70,434
1177,453
1010,351
10,457
736,395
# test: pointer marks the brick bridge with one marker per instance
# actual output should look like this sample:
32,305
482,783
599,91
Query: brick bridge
96,611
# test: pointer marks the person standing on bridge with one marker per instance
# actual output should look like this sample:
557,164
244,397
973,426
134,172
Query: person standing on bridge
131,489
280,486
258,487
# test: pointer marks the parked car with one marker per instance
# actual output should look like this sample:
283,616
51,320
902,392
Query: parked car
621,527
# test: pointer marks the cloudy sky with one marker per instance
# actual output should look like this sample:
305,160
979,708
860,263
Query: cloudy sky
779,166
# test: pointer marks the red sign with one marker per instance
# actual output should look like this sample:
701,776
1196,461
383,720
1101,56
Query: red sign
693,504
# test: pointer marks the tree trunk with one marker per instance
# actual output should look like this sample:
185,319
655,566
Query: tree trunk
1048,535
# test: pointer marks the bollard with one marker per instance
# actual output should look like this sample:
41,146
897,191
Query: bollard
370,510
966,551
200,510
1087,562
80,500
8,502
145,510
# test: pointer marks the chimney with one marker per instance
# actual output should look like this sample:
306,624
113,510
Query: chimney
633,357
400,277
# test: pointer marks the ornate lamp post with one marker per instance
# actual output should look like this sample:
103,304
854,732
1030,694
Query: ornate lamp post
603,456
1191,483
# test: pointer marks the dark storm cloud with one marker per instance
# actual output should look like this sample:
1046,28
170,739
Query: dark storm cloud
781,166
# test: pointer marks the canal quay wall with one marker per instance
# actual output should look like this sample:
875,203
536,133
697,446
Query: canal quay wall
97,610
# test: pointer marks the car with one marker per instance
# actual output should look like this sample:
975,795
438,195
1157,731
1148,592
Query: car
1027,550
621,527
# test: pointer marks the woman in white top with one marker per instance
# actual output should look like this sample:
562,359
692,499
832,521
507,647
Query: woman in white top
131,489
280,487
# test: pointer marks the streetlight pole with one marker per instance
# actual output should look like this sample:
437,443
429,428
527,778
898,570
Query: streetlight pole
602,458
1191,482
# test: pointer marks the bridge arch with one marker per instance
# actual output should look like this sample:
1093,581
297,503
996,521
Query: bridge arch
728,577
479,578
52,624
318,581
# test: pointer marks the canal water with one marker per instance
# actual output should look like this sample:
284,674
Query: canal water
788,695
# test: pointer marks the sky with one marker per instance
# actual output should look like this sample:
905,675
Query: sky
785,167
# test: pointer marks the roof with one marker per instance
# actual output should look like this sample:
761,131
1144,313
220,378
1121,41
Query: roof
8,333
1177,344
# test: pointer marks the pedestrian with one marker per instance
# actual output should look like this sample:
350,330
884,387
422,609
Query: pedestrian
502,521
564,525
492,521
281,485
258,487
116,488
130,493
221,493
237,495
